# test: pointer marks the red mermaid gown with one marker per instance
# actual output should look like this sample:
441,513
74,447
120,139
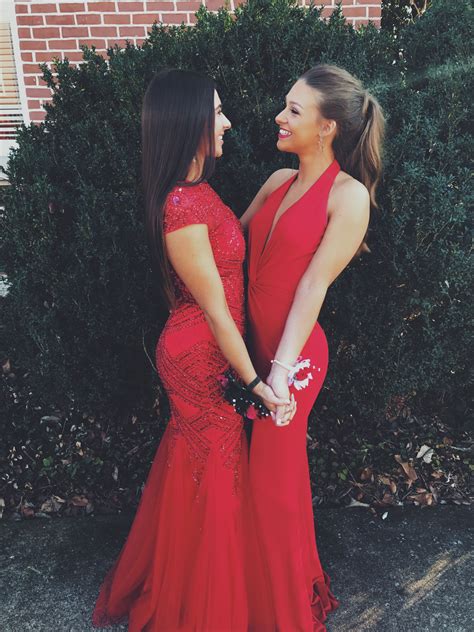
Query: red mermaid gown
182,565
291,593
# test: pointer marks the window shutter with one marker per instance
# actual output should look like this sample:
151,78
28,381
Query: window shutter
11,114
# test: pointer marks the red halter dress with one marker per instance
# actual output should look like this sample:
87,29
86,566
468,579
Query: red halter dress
289,591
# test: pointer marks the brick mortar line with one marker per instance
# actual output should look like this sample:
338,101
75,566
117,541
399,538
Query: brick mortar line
175,3
137,13
74,13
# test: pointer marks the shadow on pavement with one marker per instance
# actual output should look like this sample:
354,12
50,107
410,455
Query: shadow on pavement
412,572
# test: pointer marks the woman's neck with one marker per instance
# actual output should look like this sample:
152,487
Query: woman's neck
312,166
195,171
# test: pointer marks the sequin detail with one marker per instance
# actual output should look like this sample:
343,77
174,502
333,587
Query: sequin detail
188,358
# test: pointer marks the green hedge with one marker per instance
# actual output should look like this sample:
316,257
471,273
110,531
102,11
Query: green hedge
81,319
396,14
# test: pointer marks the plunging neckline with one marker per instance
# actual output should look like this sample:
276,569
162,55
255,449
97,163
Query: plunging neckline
289,182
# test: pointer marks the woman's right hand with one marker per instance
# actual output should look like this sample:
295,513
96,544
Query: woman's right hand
268,396
286,407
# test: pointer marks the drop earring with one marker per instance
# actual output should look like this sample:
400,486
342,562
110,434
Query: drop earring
321,144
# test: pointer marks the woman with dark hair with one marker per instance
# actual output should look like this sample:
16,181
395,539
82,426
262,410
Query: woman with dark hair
182,566
304,228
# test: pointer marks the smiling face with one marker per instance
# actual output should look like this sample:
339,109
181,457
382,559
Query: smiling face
301,122
222,124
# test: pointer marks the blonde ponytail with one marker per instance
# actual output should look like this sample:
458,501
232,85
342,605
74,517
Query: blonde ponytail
365,161
359,119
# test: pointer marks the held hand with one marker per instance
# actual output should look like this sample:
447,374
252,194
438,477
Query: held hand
281,414
270,399
284,414
278,380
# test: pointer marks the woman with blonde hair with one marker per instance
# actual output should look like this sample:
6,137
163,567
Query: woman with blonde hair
304,227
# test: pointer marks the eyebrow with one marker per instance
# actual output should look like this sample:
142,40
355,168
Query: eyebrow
295,103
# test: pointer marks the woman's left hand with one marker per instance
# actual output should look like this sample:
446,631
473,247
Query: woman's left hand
278,380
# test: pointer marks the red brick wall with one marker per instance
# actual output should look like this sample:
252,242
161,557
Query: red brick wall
48,29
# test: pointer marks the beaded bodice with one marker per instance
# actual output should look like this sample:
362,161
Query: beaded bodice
200,204
188,357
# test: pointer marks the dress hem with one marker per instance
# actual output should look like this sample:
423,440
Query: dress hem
322,603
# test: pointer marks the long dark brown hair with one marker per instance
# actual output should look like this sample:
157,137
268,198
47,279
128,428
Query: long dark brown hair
177,121
360,122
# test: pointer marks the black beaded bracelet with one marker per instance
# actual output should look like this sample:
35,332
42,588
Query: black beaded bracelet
253,383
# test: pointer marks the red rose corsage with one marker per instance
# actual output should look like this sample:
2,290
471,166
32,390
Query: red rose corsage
301,373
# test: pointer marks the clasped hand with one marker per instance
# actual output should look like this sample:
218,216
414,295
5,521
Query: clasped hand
275,394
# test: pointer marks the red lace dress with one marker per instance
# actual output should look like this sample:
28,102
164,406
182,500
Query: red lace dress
181,567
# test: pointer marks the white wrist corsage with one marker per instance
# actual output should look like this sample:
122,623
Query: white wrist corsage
299,374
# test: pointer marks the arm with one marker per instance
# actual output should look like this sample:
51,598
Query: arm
273,182
345,231
190,254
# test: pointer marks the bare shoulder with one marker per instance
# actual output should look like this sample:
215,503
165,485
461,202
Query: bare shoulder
349,197
277,179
